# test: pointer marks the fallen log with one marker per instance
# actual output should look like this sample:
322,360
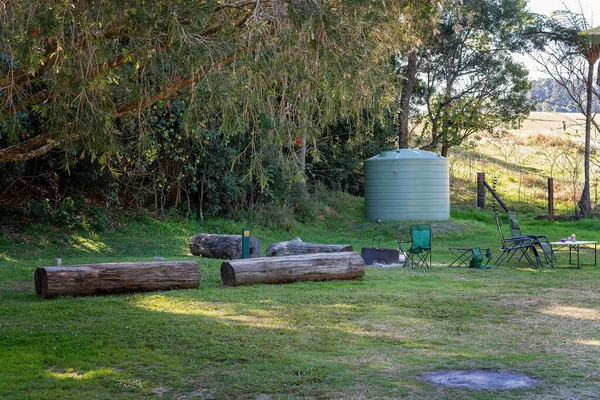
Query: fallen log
297,246
111,278
308,267
224,247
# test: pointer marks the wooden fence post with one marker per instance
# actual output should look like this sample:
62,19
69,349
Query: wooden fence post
481,190
551,199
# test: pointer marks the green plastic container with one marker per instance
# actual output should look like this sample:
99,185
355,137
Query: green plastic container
407,185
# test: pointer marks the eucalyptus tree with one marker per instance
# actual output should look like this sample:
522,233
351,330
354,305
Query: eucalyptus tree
75,74
472,84
574,41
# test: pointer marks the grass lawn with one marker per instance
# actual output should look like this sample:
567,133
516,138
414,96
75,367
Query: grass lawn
372,338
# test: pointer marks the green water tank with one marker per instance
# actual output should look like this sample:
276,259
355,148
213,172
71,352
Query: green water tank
407,185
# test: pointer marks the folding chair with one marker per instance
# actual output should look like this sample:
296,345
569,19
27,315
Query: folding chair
419,252
522,245
477,258
471,257
539,240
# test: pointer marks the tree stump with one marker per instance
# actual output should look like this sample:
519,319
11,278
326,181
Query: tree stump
297,246
224,247
111,278
308,267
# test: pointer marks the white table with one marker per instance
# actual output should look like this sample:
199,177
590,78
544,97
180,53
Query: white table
575,247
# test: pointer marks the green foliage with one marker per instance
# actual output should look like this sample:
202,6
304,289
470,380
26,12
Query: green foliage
473,84
70,212
203,169
338,159
189,106
91,71
202,172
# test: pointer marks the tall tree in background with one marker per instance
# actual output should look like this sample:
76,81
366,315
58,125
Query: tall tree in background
408,82
574,41
280,69
472,83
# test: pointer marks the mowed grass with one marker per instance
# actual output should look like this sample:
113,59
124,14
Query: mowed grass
373,338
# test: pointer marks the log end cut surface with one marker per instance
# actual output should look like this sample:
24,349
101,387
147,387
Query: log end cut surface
41,283
227,274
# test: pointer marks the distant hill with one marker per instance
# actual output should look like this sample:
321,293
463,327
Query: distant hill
551,97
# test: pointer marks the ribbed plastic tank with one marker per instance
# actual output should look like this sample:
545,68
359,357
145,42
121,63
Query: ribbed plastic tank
407,184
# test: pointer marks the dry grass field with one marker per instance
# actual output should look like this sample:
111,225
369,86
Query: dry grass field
544,122
519,162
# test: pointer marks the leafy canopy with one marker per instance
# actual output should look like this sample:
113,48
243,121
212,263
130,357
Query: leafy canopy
76,74
472,82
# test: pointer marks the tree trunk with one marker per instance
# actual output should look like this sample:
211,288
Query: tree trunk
302,167
296,246
308,267
445,148
446,123
224,247
408,84
439,124
110,278
585,202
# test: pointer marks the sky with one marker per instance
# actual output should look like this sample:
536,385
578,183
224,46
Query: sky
590,8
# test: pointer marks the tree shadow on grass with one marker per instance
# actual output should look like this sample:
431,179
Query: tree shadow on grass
306,340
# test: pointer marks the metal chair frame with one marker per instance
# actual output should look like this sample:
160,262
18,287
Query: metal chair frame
541,241
522,245
422,251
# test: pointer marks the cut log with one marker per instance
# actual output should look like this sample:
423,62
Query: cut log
297,246
307,267
110,278
224,247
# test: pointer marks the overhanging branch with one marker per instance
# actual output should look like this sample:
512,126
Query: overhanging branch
28,149
42,144
137,106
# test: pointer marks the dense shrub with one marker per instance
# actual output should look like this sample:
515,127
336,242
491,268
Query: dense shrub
339,161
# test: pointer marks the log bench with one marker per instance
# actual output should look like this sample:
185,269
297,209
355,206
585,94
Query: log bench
111,278
224,247
297,246
307,267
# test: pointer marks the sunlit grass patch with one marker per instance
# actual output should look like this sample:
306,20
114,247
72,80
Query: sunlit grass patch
573,312
70,373
267,318
595,343
89,245
6,257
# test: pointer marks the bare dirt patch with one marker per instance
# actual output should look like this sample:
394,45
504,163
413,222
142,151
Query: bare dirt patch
481,379
446,228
